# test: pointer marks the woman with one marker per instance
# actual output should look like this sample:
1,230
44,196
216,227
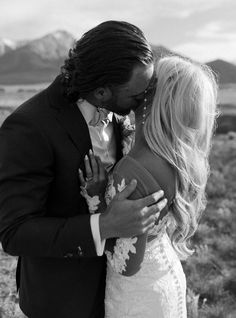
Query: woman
172,143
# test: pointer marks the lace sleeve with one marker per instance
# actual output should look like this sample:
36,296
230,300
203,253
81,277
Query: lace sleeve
124,254
92,202
120,255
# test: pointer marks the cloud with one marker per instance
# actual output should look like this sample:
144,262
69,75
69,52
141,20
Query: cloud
213,40
221,30
14,11
210,30
167,22
184,9
206,51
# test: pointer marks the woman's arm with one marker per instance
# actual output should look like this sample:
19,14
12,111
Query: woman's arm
126,254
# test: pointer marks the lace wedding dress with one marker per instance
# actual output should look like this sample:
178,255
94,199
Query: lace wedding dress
158,289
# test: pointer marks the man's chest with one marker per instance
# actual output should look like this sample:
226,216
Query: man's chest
104,144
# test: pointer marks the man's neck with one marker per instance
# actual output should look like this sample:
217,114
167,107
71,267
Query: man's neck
92,100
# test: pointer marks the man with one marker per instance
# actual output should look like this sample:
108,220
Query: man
43,218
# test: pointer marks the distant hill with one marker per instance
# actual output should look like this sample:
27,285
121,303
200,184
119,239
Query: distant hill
161,51
225,71
6,45
39,60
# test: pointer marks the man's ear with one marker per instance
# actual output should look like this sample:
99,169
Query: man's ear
102,94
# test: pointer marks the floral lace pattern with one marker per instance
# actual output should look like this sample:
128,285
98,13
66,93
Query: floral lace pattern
120,255
123,246
110,191
158,289
93,202
128,133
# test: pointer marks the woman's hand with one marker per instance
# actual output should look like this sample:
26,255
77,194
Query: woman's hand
95,179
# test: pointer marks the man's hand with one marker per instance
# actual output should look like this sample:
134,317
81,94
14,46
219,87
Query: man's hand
127,218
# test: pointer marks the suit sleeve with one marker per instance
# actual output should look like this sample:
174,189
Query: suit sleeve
26,175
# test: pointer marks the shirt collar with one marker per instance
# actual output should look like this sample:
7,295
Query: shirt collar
89,111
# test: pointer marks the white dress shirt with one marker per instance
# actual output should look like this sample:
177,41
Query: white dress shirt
104,146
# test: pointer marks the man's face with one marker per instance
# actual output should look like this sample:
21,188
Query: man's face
130,95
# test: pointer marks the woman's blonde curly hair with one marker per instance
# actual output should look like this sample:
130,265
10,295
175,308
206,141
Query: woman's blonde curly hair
179,128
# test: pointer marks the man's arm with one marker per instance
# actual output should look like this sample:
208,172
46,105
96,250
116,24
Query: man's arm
26,174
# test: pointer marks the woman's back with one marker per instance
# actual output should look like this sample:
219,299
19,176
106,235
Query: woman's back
157,289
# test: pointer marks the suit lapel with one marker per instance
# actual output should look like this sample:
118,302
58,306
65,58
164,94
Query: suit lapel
73,122
69,117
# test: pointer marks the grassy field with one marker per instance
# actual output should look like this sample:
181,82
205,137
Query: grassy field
227,94
210,271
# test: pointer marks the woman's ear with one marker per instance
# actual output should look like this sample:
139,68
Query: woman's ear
102,94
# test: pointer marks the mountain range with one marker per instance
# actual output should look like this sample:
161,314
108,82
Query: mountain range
39,60
35,61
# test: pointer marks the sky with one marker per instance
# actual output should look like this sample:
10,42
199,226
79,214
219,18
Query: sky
201,29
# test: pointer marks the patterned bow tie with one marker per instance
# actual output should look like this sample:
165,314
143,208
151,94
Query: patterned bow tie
102,117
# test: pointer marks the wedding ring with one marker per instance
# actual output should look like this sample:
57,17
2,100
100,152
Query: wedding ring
89,179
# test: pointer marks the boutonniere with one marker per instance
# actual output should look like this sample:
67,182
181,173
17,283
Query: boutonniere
127,133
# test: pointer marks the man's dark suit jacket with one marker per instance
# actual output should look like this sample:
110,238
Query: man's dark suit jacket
43,218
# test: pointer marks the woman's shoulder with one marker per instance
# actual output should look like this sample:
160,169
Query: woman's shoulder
159,169
126,167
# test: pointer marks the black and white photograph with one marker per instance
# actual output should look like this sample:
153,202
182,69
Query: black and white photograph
117,159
